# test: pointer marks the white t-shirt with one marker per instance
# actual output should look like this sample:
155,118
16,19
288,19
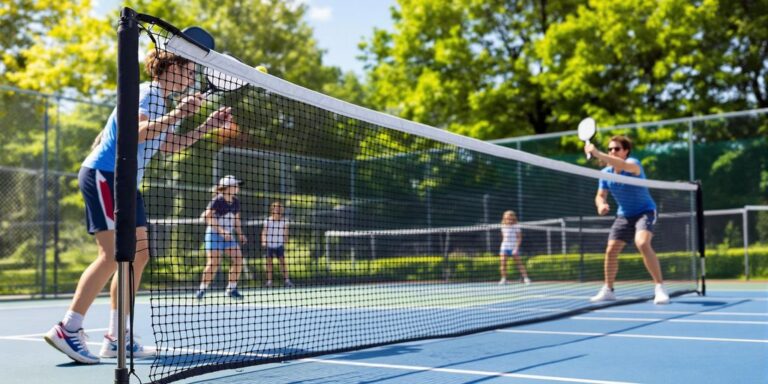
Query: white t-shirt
275,232
509,237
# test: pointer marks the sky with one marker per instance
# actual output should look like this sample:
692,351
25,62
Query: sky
339,25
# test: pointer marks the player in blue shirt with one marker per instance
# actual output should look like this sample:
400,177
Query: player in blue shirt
169,74
635,216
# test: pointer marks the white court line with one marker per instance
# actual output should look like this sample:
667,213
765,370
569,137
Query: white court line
635,336
39,336
649,320
463,371
683,312
711,298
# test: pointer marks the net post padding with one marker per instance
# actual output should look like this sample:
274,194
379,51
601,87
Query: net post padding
126,165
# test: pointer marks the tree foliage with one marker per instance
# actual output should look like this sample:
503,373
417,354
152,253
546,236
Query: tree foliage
503,68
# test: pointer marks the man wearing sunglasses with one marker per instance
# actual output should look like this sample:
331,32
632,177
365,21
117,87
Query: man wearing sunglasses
635,217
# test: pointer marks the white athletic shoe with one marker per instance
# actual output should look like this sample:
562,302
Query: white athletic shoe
72,344
526,281
109,348
605,294
661,295
503,281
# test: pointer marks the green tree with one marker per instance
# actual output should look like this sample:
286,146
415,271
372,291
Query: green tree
641,60
465,65
60,47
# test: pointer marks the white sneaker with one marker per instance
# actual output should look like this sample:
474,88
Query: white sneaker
109,348
661,295
605,294
503,281
526,281
72,344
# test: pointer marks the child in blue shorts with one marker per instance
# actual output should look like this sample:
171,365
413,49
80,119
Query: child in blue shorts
223,218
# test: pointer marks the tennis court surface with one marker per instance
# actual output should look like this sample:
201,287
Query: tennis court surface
718,338
298,238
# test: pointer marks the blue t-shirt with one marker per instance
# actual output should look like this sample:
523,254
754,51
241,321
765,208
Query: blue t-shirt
223,212
632,200
152,105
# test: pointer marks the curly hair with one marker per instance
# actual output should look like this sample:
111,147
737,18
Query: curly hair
157,62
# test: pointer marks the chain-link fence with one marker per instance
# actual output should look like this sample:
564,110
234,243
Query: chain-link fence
43,244
727,152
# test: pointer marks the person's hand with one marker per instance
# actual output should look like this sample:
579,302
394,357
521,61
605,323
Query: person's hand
589,148
189,105
264,244
603,209
243,239
219,118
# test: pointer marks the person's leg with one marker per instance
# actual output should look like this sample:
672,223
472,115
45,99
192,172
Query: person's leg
283,266
236,264
643,243
268,267
520,266
610,268
611,262
211,266
140,261
95,277
503,267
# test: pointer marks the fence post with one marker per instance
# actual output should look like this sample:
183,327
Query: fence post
57,201
485,220
745,230
44,207
691,164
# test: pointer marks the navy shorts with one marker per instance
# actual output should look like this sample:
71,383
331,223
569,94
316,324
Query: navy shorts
276,252
97,188
624,228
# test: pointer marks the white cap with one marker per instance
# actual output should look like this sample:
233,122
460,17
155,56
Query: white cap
228,181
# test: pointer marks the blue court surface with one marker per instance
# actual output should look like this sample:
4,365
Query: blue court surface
718,338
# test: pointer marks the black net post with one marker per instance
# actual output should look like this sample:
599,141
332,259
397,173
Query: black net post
126,169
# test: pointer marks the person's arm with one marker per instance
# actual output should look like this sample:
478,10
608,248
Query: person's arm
211,221
149,129
239,230
617,163
174,143
601,202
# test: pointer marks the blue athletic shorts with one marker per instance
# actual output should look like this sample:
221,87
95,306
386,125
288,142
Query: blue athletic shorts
624,228
276,252
97,188
215,241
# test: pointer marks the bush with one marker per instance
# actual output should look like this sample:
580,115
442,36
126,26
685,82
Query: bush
729,263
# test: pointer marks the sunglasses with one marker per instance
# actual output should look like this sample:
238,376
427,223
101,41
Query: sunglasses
615,149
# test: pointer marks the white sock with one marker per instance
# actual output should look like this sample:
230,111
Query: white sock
203,286
232,286
112,331
72,321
